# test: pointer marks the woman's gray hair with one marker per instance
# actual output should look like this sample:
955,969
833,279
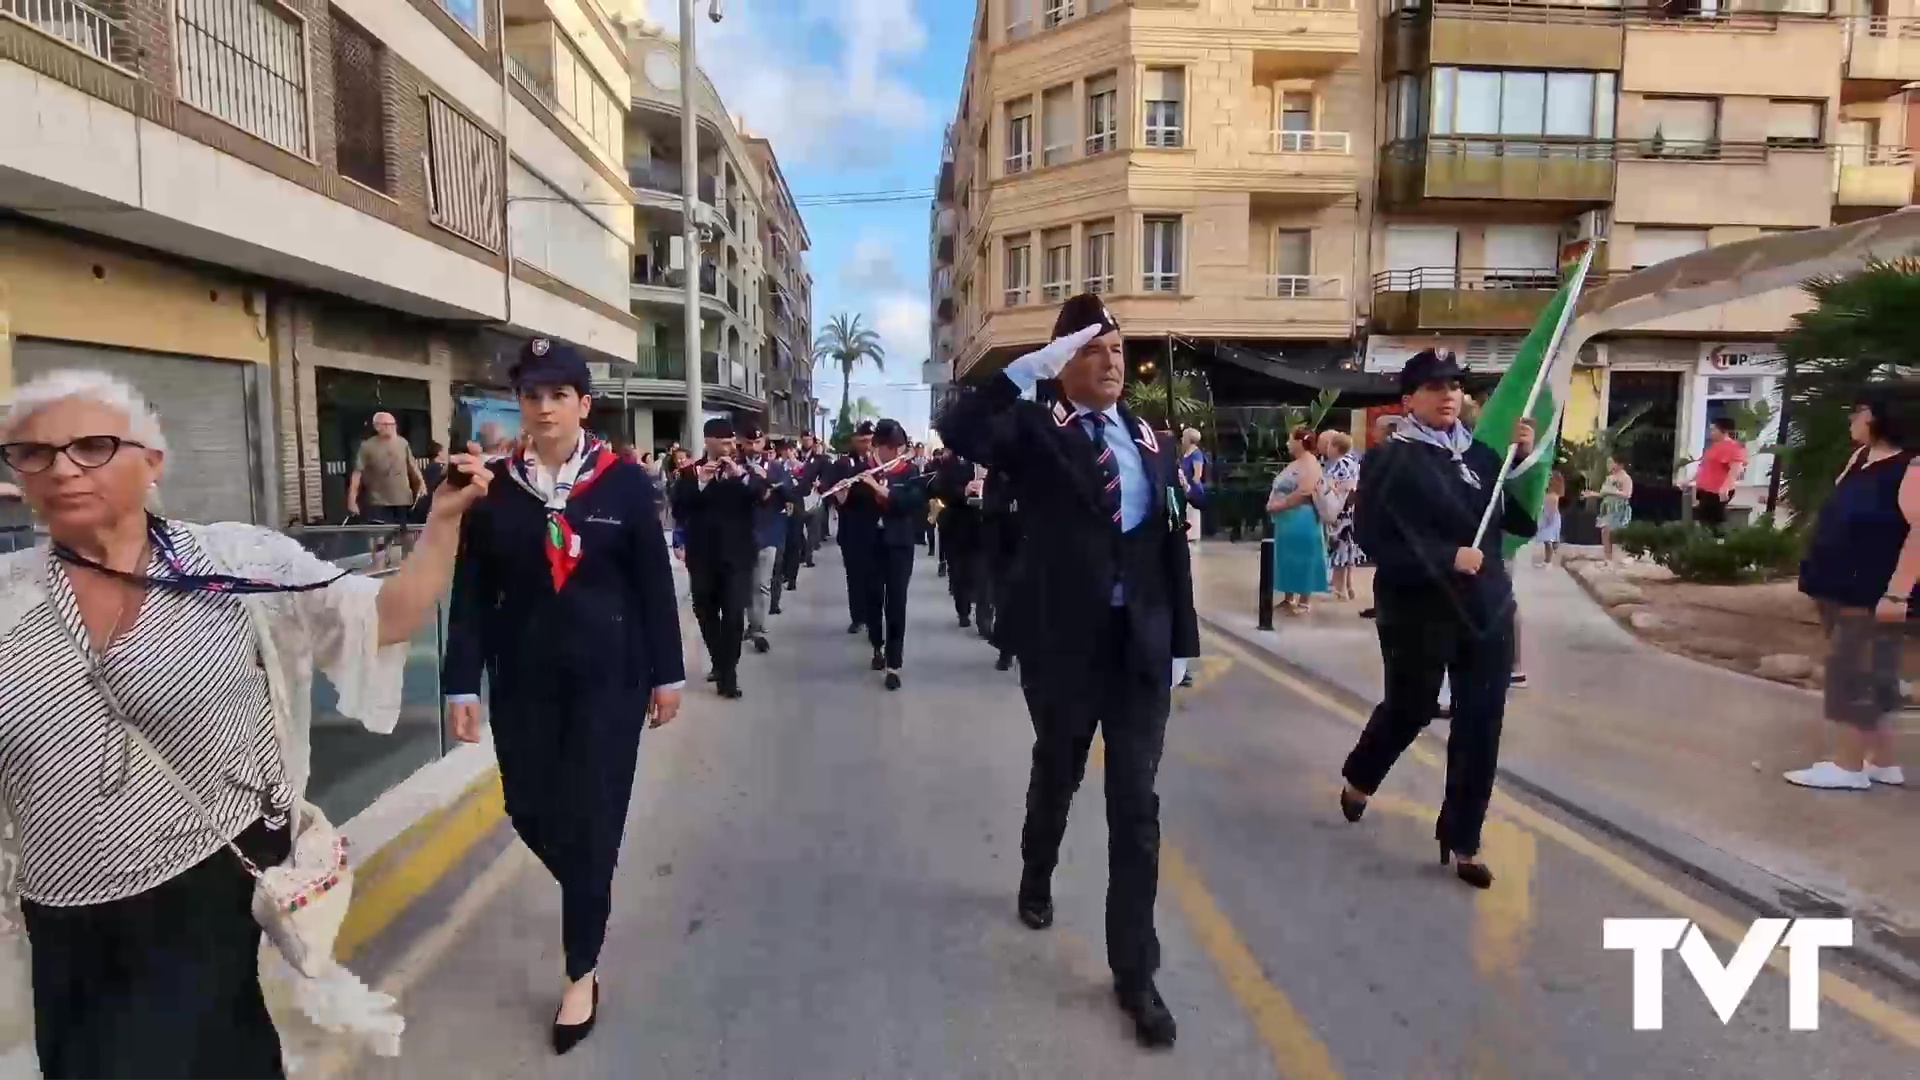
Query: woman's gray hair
143,424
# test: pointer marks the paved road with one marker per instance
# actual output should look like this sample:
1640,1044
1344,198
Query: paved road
818,881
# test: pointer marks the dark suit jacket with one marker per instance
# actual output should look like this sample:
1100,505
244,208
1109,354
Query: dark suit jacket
1069,556
717,520
1413,511
615,620
860,513
948,482
900,516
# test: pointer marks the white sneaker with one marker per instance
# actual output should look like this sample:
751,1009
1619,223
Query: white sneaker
1889,775
1825,774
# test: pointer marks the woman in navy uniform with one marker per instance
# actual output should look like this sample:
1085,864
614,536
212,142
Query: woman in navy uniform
899,495
563,597
1106,607
859,518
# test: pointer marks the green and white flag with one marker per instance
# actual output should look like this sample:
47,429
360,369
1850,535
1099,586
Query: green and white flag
1540,376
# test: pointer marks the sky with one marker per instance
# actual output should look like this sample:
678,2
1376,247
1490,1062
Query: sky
854,95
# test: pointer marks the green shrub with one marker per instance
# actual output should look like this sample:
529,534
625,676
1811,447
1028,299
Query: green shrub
1746,553
1652,539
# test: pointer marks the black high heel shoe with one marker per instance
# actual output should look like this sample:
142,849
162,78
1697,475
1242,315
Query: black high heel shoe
568,1036
1351,805
1473,873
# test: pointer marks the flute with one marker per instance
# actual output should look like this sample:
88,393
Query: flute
843,485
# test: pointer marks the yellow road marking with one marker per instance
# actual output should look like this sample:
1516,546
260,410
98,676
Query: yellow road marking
1288,1036
1888,1018
389,882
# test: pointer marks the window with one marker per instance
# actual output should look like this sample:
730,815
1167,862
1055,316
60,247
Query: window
245,61
1056,273
1056,119
1017,266
359,105
1557,104
1019,19
1164,90
1160,254
1103,124
1652,246
468,13
1682,126
1794,123
1296,111
1292,262
1057,12
1019,136
1521,256
463,176
1099,258
579,93
1403,108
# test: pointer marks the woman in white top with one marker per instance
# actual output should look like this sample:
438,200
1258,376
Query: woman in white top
145,952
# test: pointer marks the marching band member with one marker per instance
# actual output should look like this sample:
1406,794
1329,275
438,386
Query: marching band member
1000,559
563,596
769,533
1105,564
899,492
954,483
859,518
793,555
713,504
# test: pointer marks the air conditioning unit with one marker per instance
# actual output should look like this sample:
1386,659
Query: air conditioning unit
1592,225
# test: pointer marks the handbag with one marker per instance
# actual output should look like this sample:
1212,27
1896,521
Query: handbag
1327,503
300,903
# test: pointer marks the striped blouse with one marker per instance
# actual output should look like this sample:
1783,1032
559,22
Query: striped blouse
97,820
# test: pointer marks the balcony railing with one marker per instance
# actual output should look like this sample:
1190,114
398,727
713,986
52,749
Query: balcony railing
85,28
1306,287
245,61
1673,12
654,362
532,84
1879,47
1499,167
1303,5
1312,142
663,177
1461,298
1465,278
1874,175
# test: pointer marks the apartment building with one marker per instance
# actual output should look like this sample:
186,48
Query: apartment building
279,216
1295,181
730,208
1202,164
786,301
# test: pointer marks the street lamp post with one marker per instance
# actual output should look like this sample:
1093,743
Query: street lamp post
690,226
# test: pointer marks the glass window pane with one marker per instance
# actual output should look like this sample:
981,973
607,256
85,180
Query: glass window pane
1603,105
1569,103
1478,110
1445,82
1293,252
1523,102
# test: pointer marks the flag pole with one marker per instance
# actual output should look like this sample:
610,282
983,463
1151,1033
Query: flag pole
1539,380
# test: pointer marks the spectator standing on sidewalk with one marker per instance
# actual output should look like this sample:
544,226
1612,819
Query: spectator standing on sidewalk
1616,503
1299,537
1194,474
1382,429
1446,605
386,482
1861,568
138,647
1720,469
1343,477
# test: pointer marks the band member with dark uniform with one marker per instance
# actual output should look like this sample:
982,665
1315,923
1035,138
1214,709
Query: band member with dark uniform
713,501
954,483
563,596
999,564
1445,606
769,534
791,477
859,514
898,488
1105,566
816,469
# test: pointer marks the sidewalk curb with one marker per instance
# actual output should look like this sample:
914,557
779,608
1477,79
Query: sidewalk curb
1753,886
394,877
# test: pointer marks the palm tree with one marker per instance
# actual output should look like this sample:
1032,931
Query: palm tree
846,343
1860,330
1148,401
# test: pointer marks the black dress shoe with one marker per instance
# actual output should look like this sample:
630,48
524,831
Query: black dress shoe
760,643
1475,874
1005,663
1152,1024
964,621
893,680
1367,613
568,1036
1035,902
879,660
854,628
730,689
1351,805
773,609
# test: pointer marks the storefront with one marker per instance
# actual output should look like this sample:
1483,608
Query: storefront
1732,379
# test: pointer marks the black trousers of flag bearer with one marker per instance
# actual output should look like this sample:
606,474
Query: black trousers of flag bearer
1444,605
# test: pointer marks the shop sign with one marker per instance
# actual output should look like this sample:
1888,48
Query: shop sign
1741,358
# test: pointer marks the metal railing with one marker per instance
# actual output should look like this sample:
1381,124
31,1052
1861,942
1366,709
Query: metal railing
1679,14
85,28
1850,154
656,362
245,61
532,84
1312,142
1306,286
1304,5
1468,278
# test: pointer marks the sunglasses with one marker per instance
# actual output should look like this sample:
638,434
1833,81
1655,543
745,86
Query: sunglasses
87,451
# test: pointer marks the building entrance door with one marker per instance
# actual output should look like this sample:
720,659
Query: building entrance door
345,402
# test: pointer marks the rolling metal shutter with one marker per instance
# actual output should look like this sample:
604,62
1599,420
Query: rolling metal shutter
212,461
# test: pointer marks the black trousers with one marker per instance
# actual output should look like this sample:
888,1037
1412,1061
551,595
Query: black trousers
1478,662
1710,510
1129,707
889,570
165,983
856,553
796,550
567,755
721,593
960,550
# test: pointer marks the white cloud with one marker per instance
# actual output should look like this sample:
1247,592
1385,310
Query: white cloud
870,267
848,106
902,321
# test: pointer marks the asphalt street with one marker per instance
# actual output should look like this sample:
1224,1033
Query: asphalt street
818,881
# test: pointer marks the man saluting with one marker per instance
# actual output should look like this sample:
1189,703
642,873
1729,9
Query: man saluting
1106,566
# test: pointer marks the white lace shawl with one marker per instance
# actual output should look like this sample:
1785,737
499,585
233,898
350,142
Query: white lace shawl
335,630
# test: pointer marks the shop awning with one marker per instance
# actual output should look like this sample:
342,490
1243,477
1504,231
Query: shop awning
1354,387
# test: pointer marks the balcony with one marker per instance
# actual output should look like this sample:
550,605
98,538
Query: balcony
85,28
654,362
1873,176
1576,171
1882,50
1449,298
1503,33
661,180
1301,35
1707,183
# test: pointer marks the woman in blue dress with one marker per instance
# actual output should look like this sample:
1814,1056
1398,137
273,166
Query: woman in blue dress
1299,539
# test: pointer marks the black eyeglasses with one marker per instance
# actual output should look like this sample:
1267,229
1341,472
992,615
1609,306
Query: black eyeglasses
87,451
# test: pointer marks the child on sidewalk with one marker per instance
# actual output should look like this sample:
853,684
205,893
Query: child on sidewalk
1549,535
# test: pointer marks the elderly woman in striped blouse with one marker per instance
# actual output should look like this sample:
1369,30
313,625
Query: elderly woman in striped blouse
154,686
